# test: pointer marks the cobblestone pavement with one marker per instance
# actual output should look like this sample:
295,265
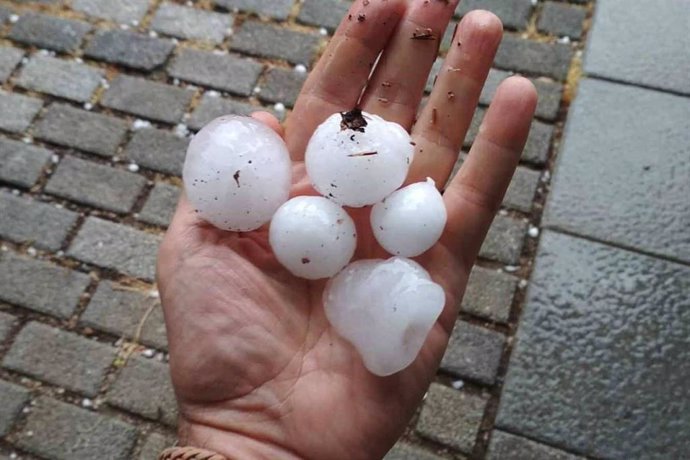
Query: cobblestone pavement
98,100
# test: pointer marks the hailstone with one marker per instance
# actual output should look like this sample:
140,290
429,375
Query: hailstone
411,220
357,159
312,237
386,309
237,173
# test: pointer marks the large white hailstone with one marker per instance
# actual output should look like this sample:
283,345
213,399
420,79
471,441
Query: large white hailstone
386,309
411,220
357,159
237,173
312,237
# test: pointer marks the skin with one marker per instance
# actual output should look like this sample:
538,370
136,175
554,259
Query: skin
257,370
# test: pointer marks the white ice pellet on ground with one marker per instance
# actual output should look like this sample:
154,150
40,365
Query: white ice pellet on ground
140,124
133,167
237,173
279,107
386,309
357,159
312,237
533,231
410,220
301,68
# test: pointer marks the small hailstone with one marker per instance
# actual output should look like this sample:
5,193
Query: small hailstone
218,52
105,84
88,106
411,220
87,403
153,34
301,68
135,23
279,107
533,231
458,384
140,124
27,140
149,353
323,31
31,251
124,26
357,159
386,309
54,158
257,89
237,173
181,130
564,40
212,93
176,81
15,192
133,167
523,284
312,237
14,18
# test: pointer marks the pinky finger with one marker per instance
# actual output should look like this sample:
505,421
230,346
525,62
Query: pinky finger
476,193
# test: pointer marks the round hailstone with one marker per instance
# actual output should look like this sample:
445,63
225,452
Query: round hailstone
386,309
411,220
357,159
237,173
312,237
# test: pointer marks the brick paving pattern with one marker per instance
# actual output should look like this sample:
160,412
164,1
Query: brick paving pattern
98,102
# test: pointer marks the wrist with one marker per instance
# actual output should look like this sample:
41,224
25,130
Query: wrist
231,445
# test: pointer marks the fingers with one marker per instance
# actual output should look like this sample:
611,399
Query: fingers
341,74
397,85
476,193
269,120
443,124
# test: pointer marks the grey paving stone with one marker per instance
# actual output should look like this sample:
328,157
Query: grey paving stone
5,13
160,206
41,224
80,129
96,185
562,19
513,13
276,9
32,284
448,36
155,444
59,357
506,446
50,32
61,431
144,387
159,150
435,69
61,78
282,85
275,42
549,93
7,322
489,294
405,451
119,311
505,239
323,13
129,49
523,55
212,107
473,353
21,164
538,143
147,99
117,247
655,29
12,399
451,417
622,175
225,72
17,111
473,130
120,11
523,187
602,358
9,59
191,23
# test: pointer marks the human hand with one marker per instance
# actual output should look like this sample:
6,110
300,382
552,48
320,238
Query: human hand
257,369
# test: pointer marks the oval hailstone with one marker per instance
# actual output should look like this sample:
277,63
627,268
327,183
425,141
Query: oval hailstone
411,220
357,159
386,309
312,237
237,173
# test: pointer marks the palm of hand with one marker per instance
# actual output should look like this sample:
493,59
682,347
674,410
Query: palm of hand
257,369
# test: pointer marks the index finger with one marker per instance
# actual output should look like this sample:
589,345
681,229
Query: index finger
341,74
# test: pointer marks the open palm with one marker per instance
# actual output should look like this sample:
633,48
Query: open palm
257,369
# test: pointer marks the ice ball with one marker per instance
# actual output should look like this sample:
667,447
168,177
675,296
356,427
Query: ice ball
237,173
411,220
357,159
312,237
386,309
